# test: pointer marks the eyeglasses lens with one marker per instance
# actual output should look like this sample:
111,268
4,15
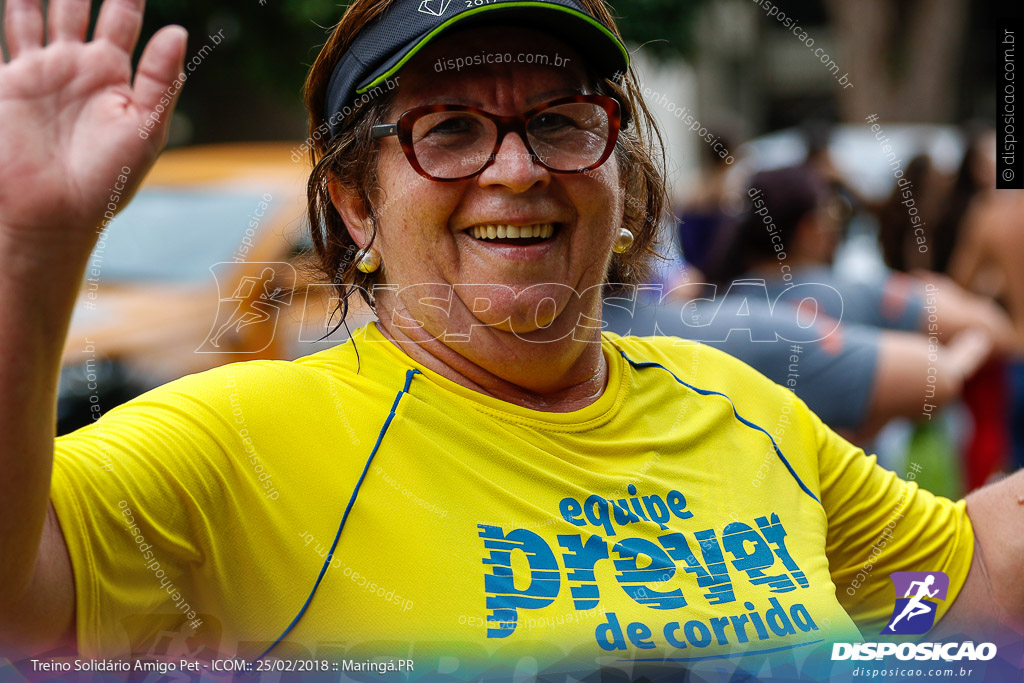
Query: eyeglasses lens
455,144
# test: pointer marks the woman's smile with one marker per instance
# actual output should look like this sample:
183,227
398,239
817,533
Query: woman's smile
524,243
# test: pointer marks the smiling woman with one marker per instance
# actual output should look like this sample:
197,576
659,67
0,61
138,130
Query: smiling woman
351,164
513,186
549,497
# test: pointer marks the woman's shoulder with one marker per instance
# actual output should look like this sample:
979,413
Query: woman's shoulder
260,381
203,422
708,371
688,360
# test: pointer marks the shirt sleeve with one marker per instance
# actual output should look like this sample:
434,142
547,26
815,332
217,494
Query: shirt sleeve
145,497
894,303
878,524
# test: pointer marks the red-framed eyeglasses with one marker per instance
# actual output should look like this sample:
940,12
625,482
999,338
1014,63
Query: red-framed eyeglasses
449,142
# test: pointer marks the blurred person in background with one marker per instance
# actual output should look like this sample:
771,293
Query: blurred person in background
973,187
901,248
789,236
704,213
986,227
817,138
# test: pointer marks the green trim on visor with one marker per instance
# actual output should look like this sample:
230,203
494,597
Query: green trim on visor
430,36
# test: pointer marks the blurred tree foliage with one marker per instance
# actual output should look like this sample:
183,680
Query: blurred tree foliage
270,43
665,28
248,87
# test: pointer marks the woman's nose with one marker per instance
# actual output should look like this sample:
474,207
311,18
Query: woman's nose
515,167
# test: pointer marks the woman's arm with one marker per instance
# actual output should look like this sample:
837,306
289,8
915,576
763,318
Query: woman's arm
909,376
958,309
993,595
70,114
36,297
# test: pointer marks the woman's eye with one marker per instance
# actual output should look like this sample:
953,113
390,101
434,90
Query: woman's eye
552,122
460,125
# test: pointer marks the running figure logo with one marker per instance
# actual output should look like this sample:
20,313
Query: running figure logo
253,300
914,612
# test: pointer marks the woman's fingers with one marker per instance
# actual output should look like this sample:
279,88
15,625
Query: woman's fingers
23,26
68,19
120,22
161,63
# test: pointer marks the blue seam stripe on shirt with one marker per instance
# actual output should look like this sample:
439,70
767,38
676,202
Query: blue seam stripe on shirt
327,563
705,392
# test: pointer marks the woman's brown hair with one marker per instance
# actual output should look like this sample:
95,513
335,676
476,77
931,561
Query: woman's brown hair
351,157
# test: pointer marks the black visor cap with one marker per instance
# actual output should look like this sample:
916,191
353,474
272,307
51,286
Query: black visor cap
377,55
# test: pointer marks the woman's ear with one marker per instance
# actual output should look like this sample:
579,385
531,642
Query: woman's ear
354,212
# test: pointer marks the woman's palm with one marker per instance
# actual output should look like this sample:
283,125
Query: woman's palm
70,115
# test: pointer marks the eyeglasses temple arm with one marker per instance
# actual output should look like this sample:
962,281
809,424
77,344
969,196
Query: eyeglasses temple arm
384,130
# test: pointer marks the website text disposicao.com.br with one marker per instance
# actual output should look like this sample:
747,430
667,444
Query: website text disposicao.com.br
910,672
916,660
459,63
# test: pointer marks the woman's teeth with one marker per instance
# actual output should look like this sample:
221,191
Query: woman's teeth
493,232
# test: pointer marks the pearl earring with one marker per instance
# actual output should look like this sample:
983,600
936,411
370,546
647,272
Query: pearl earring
624,241
369,262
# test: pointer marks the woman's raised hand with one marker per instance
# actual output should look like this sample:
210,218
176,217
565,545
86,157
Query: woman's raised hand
70,114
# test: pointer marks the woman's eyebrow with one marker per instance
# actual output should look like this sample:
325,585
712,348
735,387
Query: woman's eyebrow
451,99
558,92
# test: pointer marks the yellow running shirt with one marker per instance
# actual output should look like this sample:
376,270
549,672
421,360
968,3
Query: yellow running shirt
694,511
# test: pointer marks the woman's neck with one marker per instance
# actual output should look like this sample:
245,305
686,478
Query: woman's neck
556,376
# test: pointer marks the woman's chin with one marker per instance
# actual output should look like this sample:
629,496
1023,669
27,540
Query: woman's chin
534,326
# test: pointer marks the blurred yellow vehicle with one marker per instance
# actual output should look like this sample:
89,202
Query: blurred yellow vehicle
202,268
